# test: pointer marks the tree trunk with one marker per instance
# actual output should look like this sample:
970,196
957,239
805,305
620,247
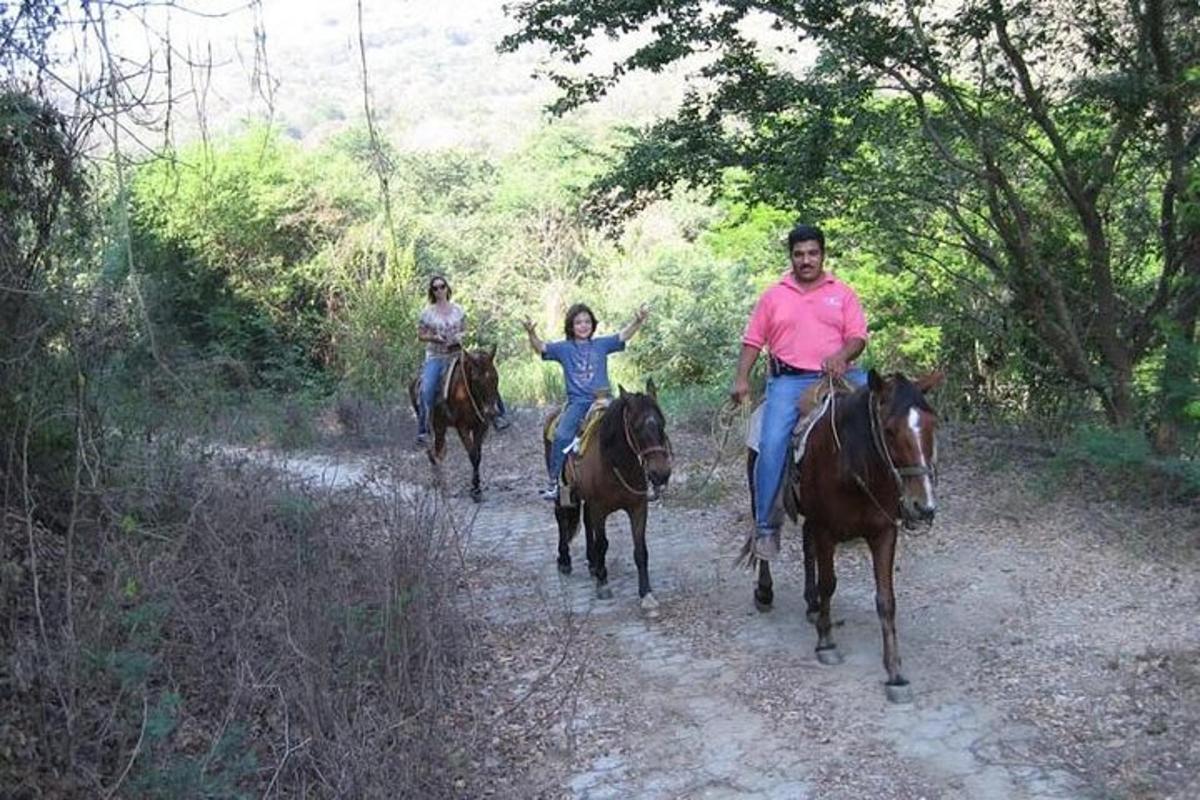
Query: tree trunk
1177,384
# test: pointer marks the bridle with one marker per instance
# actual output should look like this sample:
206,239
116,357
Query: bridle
641,458
881,448
879,442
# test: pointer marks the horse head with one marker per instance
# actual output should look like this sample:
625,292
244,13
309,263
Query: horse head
483,382
646,433
904,430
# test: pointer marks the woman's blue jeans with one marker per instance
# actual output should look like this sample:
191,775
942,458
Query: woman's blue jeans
431,384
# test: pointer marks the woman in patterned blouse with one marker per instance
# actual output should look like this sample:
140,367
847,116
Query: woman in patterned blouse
441,327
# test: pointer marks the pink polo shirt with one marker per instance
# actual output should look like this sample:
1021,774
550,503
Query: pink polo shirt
802,328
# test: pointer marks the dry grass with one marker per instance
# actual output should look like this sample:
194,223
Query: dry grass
224,634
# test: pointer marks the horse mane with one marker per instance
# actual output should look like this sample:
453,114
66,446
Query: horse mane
853,422
611,433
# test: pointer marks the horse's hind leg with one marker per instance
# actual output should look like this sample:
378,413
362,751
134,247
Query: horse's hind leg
764,592
883,554
568,526
599,549
826,585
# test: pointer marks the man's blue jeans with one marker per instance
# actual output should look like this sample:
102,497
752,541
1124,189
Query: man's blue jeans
780,414
431,384
566,431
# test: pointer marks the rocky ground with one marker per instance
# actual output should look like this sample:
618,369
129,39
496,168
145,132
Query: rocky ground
1050,635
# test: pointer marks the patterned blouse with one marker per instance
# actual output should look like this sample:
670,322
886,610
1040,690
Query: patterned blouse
450,326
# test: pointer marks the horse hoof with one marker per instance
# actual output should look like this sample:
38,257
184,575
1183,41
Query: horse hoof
603,593
477,495
650,606
830,657
898,692
565,569
763,601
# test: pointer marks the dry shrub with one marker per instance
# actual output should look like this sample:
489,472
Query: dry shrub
229,635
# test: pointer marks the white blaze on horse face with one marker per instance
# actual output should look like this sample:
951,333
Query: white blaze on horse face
914,425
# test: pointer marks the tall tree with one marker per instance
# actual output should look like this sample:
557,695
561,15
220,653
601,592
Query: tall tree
1030,134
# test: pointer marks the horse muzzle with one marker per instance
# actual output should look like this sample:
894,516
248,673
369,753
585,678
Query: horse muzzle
915,511
658,476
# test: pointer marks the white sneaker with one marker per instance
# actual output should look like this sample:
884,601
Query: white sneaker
550,493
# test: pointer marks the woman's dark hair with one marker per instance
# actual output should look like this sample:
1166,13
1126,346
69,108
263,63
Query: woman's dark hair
429,289
806,233
573,312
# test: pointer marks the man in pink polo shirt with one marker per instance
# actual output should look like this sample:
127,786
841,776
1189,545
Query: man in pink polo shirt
812,324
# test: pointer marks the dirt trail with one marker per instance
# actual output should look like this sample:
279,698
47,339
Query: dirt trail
1051,645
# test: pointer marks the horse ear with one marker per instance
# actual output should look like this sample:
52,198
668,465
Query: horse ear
927,383
651,389
874,381
620,390
492,352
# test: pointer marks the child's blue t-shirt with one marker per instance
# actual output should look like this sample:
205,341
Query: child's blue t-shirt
584,363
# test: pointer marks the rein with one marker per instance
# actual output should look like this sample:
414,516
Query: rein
467,383
881,449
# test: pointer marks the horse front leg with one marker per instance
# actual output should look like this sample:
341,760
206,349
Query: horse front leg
438,424
811,604
883,557
472,439
823,543
589,538
641,557
599,549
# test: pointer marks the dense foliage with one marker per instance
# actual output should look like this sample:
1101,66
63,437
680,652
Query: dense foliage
1033,164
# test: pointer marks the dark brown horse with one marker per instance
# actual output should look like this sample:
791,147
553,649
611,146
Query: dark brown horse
469,404
626,464
870,460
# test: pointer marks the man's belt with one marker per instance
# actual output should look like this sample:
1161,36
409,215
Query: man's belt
783,368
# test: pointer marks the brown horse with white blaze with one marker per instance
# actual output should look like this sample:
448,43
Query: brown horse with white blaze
626,464
470,403
870,462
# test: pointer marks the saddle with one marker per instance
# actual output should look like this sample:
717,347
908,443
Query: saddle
590,420
813,404
591,423
822,396
448,374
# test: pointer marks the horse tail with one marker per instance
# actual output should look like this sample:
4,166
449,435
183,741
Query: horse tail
414,387
791,486
746,559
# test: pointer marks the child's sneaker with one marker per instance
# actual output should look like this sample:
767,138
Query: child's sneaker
550,493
